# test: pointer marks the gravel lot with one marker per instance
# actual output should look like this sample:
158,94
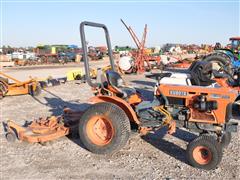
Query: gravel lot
155,156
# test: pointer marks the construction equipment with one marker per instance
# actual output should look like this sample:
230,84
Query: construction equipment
17,87
75,75
142,60
105,126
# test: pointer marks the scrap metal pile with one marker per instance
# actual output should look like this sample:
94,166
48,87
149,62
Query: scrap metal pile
142,60
47,54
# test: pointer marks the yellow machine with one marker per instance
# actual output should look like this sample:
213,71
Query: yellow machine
75,74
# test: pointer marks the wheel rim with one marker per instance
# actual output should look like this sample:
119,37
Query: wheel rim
100,130
219,66
202,155
216,65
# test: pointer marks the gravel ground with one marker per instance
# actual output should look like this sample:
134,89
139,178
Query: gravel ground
155,156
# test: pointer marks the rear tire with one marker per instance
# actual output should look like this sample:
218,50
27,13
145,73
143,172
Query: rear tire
221,59
104,128
204,152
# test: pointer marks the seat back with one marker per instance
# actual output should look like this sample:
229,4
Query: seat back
114,79
115,82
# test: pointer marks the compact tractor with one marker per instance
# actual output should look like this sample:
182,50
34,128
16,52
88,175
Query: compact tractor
105,126
190,100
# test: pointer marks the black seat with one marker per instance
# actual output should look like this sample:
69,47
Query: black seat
117,83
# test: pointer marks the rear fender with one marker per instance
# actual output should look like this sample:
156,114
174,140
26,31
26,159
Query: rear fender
119,102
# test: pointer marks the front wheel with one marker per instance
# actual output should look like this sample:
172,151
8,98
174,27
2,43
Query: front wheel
104,128
204,152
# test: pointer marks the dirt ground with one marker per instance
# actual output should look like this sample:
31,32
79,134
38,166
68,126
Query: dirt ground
155,156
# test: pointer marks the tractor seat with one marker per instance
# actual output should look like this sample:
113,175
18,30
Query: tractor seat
117,85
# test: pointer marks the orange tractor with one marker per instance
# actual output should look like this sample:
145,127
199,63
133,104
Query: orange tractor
117,109
106,125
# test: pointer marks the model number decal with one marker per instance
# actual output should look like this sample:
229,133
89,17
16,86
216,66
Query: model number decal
178,93
216,96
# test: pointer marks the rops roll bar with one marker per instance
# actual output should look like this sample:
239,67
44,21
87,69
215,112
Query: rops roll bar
84,48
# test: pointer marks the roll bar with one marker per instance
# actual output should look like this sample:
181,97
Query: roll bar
84,47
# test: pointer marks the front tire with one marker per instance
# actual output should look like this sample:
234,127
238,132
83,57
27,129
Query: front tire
204,152
104,128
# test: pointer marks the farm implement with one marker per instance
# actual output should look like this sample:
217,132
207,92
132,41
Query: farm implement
10,86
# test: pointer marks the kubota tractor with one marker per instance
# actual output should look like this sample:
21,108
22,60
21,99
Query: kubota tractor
105,126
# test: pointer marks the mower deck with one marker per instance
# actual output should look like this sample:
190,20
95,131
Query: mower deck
43,130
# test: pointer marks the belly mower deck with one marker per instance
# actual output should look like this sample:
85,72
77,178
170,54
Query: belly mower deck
43,130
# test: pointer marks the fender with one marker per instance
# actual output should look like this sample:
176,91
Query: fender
119,102
235,62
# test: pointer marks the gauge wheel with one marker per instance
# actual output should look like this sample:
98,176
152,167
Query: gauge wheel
11,137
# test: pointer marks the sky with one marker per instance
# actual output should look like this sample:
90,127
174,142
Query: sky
26,23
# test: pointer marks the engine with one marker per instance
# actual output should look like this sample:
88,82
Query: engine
201,104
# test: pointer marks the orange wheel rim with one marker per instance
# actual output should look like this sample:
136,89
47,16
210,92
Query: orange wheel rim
100,130
202,155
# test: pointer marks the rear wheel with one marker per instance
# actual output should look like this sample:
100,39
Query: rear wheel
204,152
220,62
104,128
